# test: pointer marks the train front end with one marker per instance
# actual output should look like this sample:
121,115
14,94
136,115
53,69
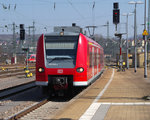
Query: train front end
57,63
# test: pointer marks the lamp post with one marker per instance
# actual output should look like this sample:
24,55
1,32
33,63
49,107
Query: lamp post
127,45
135,32
145,44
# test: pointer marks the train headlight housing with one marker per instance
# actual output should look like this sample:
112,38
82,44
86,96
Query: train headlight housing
41,70
80,70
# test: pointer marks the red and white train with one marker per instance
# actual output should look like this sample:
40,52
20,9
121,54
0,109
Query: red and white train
65,61
32,58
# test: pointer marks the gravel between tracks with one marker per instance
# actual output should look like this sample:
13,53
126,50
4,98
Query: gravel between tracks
14,104
14,81
47,110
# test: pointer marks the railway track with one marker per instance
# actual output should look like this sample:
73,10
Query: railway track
45,109
19,100
14,73
31,104
28,110
54,105
14,69
28,103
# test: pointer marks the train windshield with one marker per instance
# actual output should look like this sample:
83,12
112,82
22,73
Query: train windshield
61,51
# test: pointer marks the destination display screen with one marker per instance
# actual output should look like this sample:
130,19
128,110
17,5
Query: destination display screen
60,45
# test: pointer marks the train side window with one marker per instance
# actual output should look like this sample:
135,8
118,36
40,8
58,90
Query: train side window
95,55
98,59
32,57
101,56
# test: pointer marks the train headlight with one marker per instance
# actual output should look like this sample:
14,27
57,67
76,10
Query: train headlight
80,69
41,70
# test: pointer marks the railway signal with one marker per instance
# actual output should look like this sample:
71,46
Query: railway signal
116,20
116,14
22,32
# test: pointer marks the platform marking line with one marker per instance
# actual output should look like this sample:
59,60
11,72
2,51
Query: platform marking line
125,104
92,110
94,106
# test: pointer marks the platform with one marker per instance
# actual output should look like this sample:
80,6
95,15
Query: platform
114,96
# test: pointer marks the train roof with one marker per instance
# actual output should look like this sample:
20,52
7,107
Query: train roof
64,34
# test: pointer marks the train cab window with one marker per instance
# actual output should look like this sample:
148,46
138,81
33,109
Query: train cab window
32,57
60,50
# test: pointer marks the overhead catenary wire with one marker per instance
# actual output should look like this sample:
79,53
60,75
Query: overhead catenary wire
75,9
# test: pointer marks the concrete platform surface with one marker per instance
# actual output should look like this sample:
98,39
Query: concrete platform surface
114,96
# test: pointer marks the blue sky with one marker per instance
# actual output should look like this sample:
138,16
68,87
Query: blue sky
50,13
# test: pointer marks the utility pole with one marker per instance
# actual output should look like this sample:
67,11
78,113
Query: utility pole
148,17
107,30
148,30
135,34
29,33
135,40
14,44
29,28
33,33
145,44
31,40
127,44
107,25
121,60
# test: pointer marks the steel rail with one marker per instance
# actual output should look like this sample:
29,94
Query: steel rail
28,110
14,74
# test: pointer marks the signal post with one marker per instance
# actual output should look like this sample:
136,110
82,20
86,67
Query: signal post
116,21
120,60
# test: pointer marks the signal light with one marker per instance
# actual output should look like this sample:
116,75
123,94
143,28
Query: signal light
21,26
116,16
22,32
116,5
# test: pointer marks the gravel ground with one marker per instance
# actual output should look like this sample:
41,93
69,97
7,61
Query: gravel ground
47,110
14,81
50,109
14,104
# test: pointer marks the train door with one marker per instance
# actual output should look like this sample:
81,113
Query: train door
97,60
100,59
93,61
